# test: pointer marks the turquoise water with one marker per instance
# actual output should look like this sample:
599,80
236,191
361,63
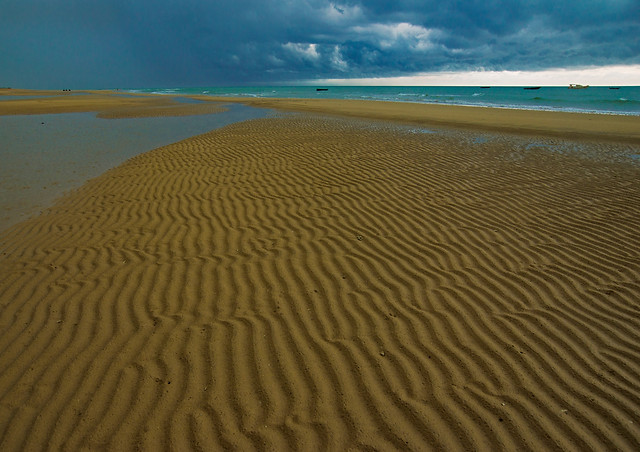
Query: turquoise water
622,101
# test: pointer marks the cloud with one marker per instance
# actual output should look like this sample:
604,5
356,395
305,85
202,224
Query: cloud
341,14
201,42
386,36
595,76
337,61
303,51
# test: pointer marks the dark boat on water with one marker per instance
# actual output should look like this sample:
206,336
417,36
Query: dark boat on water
532,87
322,89
614,87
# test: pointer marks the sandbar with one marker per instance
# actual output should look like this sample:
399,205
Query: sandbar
624,128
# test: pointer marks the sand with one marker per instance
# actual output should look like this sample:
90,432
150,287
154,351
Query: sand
616,128
43,156
320,283
108,104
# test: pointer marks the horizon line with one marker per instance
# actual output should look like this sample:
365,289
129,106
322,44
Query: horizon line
613,75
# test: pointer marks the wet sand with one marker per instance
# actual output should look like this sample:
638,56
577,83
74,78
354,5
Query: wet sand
45,155
109,104
320,283
559,124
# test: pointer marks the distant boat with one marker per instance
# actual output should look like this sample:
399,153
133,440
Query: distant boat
576,86
485,87
532,87
322,89
614,87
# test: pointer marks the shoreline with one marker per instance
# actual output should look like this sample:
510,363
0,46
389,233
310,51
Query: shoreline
620,128
575,125
596,99
43,156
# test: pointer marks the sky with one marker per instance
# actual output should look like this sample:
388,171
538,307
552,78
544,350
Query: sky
80,44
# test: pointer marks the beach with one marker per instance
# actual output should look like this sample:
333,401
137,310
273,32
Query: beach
343,275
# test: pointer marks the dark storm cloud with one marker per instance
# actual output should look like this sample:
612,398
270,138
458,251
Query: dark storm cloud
198,42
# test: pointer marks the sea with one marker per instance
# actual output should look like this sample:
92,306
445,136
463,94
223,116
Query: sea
614,100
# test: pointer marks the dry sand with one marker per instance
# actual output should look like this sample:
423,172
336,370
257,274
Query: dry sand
108,104
306,283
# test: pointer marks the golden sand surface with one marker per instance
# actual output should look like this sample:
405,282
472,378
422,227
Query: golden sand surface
107,104
312,283
34,92
560,124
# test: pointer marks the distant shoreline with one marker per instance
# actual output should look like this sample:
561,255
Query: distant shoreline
601,100
608,127
622,100
620,128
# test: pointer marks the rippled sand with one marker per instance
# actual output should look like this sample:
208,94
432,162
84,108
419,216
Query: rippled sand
306,283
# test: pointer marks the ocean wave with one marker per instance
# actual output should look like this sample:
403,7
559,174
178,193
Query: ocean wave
167,91
624,100
620,101
594,100
566,109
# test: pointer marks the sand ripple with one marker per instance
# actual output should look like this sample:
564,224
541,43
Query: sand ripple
298,283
